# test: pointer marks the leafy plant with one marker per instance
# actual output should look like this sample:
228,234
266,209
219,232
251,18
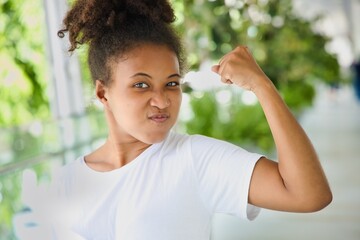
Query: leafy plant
23,95
284,45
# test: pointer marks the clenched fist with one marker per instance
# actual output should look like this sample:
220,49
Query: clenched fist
239,67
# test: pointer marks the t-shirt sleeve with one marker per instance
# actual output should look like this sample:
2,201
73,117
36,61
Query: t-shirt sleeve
224,172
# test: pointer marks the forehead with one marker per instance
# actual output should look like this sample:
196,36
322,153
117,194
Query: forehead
149,57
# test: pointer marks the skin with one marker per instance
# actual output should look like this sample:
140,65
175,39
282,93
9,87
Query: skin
142,104
296,182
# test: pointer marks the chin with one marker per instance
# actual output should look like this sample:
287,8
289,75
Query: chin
153,138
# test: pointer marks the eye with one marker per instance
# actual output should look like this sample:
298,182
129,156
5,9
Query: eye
141,85
173,84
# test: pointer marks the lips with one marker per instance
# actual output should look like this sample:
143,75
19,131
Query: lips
159,117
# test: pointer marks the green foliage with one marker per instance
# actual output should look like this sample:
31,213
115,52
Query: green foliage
284,45
10,203
204,112
23,95
234,122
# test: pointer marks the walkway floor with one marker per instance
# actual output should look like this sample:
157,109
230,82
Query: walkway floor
333,124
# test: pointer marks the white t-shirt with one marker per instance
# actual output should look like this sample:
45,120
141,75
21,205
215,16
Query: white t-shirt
170,191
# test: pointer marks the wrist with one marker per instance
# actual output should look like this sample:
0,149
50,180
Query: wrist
265,86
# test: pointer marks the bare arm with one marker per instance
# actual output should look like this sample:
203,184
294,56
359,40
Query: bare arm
296,182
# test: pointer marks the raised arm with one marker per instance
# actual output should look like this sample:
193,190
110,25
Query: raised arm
296,182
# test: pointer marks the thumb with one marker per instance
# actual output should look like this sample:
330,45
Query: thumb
215,68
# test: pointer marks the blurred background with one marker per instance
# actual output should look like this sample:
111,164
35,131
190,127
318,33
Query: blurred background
309,48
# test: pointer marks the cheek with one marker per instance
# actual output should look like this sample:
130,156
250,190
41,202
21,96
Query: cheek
175,99
179,99
130,102
123,107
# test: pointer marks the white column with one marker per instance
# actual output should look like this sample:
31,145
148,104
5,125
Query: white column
355,18
66,93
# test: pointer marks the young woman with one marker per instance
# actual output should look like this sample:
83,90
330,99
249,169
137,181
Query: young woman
148,182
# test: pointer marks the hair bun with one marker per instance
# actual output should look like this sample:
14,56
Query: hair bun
90,19
155,10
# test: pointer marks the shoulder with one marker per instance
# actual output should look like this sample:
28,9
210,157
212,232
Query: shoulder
65,175
199,142
199,145
183,138
68,168
181,141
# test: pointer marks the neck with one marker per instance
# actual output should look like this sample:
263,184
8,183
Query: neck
117,151
123,152
113,155
121,147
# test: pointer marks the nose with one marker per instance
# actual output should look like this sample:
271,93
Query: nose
160,100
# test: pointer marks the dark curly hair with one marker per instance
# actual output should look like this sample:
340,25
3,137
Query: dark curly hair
114,27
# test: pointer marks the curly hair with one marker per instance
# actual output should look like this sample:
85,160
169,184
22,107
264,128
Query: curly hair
114,27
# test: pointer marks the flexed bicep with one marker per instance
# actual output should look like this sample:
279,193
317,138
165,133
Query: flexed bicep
268,190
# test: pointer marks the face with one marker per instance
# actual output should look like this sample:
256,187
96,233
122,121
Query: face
143,101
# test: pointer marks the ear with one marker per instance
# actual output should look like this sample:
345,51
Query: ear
101,92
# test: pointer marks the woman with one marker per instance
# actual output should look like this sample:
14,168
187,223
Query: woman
148,182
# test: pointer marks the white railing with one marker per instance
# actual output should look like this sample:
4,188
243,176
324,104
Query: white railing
37,148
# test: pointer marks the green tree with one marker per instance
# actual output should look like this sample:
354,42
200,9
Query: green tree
23,95
284,45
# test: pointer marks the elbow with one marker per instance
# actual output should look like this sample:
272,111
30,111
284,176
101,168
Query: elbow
323,202
326,199
317,202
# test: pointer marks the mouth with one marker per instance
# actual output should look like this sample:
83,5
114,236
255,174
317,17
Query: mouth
159,118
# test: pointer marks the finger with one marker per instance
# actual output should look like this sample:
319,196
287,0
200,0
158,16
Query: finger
225,75
222,67
226,80
225,57
215,68
243,47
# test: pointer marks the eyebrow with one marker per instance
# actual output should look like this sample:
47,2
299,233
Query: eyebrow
141,74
